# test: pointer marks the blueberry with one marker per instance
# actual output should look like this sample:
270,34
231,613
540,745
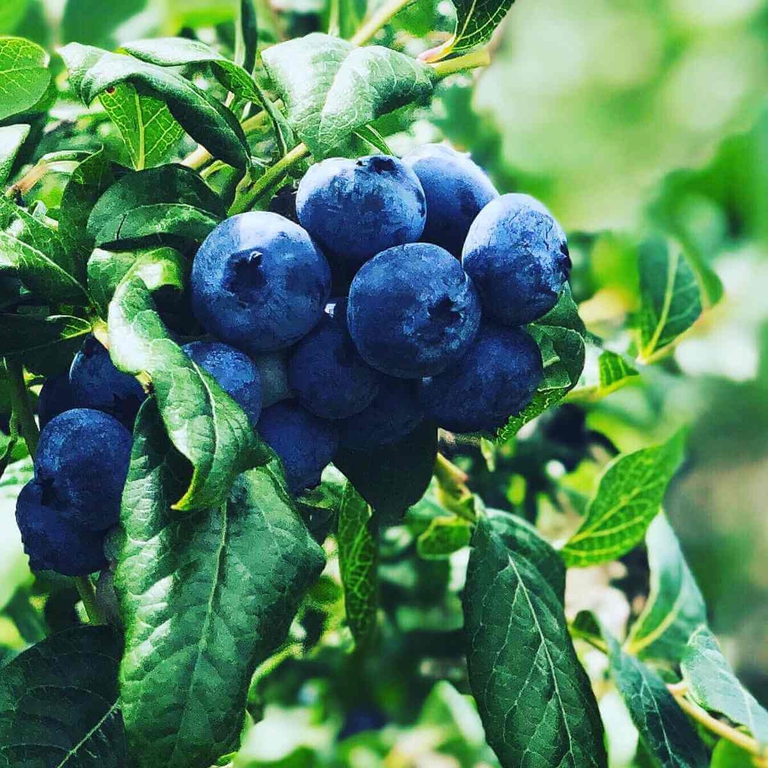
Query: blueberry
304,443
96,383
81,465
236,373
55,397
456,190
326,373
518,257
273,372
496,379
52,542
412,311
357,208
259,282
394,413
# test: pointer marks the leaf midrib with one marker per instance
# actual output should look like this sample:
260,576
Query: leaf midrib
73,752
547,653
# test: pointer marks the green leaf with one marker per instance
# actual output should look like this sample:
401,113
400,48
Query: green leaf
534,697
614,371
727,755
46,345
675,607
24,76
160,268
443,537
331,88
476,21
627,499
663,727
358,564
178,51
371,82
58,703
565,314
205,598
86,184
156,205
669,294
203,422
37,255
148,128
92,71
393,477
713,685
563,355
181,51
11,139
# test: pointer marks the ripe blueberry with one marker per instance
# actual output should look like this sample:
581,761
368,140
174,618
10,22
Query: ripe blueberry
236,373
394,413
304,443
326,373
55,398
357,208
81,465
259,282
412,311
52,542
517,255
96,383
456,190
496,379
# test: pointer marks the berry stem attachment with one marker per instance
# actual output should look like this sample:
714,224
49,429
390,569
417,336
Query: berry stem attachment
473,60
245,200
22,409
88,596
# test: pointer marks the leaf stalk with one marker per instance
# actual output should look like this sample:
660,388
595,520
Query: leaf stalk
714,725
88,596
473,60
22,408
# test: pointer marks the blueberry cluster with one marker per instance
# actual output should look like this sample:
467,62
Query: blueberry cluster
396,294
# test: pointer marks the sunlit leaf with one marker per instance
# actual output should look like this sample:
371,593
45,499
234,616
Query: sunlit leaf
670,296
675,607
627,499
713,685
24,76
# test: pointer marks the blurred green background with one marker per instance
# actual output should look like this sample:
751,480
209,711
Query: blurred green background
623,116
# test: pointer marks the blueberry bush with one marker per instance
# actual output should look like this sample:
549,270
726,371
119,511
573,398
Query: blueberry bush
296,465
